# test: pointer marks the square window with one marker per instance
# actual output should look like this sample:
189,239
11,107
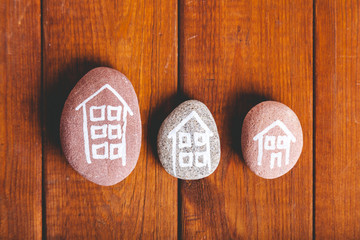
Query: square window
269,143
97,113
185,159
100,151
200,139
184,140
201,159
98,131
114,131
113,113
117,151
282,142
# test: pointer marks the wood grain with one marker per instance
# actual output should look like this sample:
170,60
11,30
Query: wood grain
20,120
232,55
138,38
337,188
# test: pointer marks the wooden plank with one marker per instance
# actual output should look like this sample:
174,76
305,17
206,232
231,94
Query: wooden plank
139,38
20,121
234,54
337,129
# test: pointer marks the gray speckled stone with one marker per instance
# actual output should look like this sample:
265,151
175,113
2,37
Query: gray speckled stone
188,142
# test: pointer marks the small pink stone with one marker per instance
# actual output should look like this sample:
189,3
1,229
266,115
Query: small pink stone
271,139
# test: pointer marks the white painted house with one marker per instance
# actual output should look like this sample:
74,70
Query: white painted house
107,139
275,145
191,149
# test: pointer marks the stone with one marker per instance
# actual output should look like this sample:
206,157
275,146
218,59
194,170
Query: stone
188,142
271,139
100,127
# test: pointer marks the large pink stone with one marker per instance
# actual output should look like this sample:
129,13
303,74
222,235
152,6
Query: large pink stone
100,128
271,139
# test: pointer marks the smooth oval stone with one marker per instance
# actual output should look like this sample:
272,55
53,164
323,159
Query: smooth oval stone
100,127
188,142
271,139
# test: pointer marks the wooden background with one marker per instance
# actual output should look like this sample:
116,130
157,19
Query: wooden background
229,54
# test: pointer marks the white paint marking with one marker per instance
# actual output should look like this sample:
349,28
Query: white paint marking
186,159
94,129
94,118
260,151
281,142
106,86
275,156
117,129
107,129
86,137
120,151
184,141
117,110
174,155
96,147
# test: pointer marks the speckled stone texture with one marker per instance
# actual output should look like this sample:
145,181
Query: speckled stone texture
271,139
100,127
188,142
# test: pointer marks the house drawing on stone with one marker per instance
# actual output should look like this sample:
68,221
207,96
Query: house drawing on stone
275,145
191,149
107,125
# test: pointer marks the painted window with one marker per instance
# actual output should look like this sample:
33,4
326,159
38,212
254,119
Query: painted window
108,131
185,159
113,113
200,139
114,131
97,132
97,113
201,159
116,151
282,142
269,143
100,151
184,140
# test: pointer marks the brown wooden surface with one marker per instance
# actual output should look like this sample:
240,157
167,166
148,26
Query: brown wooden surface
231,55
20,120
337,188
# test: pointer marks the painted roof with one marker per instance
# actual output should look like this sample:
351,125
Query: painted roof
106,86
193,114
271,126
